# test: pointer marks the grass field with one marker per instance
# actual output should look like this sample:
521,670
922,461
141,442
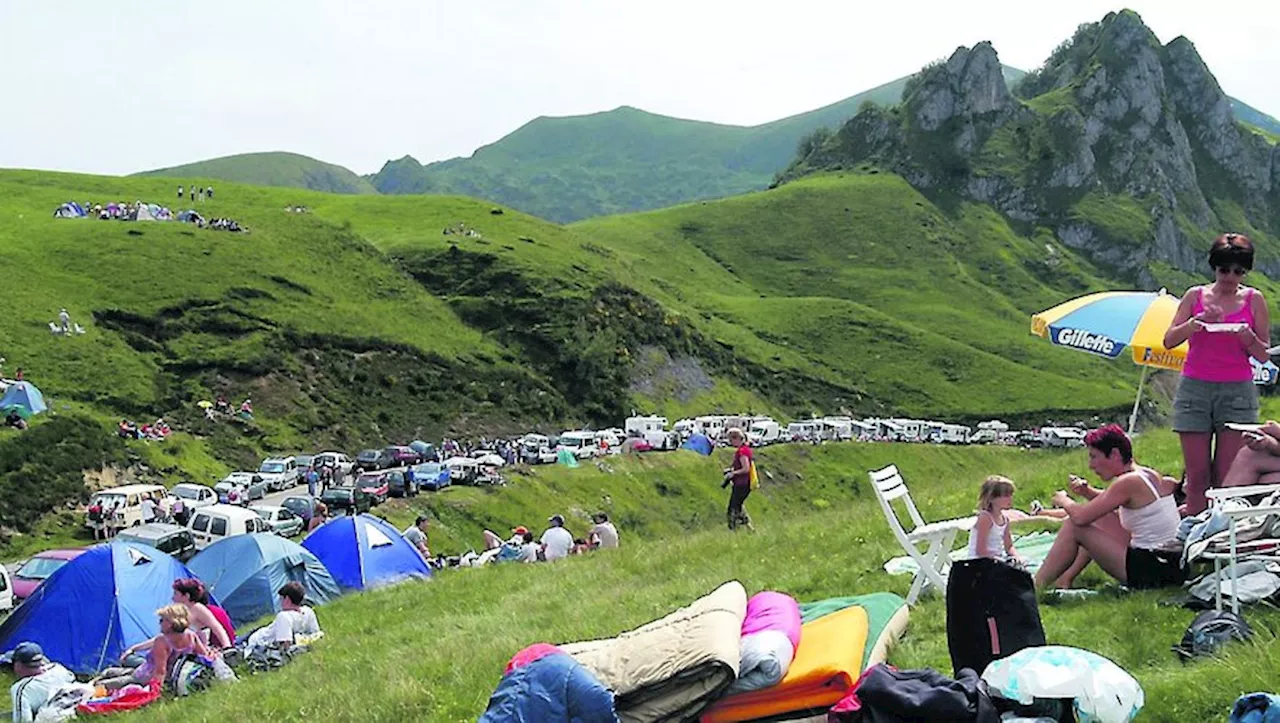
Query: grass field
271,169
435,651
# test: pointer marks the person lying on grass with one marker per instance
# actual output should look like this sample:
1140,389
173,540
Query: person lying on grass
1129,528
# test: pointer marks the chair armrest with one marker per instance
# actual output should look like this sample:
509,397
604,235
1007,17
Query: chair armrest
1226,493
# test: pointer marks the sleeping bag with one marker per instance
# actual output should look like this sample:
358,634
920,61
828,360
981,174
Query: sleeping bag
770,634
552,688
670,669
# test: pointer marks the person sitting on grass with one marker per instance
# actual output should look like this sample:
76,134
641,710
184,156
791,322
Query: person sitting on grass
190,593
174,640
990,536
1130,528
295,624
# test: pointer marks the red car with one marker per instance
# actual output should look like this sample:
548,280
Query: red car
375,485
38,568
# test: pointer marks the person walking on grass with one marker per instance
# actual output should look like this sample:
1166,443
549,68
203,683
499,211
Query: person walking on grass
739,476
1224,324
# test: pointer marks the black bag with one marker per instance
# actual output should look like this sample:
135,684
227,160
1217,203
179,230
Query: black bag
991,613
1209,631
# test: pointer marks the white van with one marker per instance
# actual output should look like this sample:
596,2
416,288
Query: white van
215,522
1062,437
651,429
764,432
126,501
839,429
280,473
6,590
581,444
804,431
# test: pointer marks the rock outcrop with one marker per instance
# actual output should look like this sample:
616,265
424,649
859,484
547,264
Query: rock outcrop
1113,118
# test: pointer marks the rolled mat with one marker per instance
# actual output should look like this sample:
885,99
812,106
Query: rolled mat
825,666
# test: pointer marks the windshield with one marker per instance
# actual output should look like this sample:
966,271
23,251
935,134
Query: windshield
109,501
38,568
570,442
304,460
296,506
337,494
273,467
264,514
369,454
427,469
186,493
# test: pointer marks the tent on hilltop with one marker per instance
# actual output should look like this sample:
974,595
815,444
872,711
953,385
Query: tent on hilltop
245,571
70,209
92,608
190,216
24,398
363,552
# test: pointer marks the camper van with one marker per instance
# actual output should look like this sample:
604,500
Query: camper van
126,501
863,430
712,426
1062,437
910,430
581,444
839,429
804,431
763,432
953,434
652,430
216,522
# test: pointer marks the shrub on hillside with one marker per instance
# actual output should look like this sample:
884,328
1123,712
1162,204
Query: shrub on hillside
43,468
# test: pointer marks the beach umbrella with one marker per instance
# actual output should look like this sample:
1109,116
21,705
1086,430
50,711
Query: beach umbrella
1108,322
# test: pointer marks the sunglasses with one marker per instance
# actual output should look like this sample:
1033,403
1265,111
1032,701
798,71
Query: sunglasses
1234,270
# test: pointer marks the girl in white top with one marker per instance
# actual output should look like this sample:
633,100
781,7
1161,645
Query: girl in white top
990,536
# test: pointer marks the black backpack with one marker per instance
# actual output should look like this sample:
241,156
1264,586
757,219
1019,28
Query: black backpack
1209,631
992,613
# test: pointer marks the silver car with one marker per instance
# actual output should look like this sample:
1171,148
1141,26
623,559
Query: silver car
282,521
255,487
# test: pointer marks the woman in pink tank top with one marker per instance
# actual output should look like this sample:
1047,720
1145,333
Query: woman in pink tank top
1225,323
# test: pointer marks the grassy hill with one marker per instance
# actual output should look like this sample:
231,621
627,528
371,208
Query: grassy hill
436,651
271,169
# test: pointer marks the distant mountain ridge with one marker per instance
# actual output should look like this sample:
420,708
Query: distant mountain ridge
276,168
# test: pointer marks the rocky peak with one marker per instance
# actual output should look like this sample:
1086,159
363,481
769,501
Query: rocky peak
970,82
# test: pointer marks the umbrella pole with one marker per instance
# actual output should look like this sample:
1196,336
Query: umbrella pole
1133,416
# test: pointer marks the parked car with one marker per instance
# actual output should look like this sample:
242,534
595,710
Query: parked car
255,487
427,452
173,540
6,590
39,568
280,473
337,460
304,461
488,457
126,501
210,524
403,456
431,475
342,498
282,521
582,444
376,485
194,496
303,506
399,484
371,460
462,470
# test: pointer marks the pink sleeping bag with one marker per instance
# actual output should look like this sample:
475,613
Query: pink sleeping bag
770,635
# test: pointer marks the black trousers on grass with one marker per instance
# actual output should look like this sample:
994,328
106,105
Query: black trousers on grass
737,515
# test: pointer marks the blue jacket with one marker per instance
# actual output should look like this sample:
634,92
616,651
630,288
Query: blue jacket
554,689
1256,708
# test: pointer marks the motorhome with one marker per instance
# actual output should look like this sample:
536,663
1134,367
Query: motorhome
804,431
911,429
1062,437
954,434
684,427
837,428
713,426
763,432
863,430
651,429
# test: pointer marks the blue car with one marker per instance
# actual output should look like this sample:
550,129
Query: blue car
431,476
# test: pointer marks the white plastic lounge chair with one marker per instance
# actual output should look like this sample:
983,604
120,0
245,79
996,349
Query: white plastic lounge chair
79,329
1264,549
54,328
939,536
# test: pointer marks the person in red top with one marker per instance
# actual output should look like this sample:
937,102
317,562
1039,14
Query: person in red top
739,475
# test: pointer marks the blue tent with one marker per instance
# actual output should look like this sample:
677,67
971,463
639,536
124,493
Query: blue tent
25,397
365,552
699,443
245,571
92,608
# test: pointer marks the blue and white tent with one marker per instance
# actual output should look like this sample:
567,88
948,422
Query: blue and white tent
92,608
25,397
700,443
363,552
71,209
246,571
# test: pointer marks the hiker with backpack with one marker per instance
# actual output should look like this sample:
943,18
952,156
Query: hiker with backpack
742,477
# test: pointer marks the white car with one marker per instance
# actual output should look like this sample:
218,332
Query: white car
284,522
280,473
194,496
582,444
337,460
255,487
488,457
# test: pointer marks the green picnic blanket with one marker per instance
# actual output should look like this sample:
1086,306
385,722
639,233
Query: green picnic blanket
1033,548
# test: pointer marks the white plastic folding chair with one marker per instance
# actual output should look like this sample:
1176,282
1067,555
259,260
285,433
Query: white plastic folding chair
938,537
1264,549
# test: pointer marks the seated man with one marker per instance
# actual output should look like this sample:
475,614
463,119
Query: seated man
295,624
1258,462
37,679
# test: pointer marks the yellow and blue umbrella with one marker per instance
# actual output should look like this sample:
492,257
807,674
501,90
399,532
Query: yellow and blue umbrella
1108,322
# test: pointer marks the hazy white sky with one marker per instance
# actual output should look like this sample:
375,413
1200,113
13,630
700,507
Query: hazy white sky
118,87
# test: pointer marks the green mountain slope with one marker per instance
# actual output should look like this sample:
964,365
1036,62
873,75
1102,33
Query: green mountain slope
271,169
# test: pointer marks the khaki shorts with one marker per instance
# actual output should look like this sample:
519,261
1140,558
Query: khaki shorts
1201,406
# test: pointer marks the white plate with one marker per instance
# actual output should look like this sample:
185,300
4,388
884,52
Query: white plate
1243,427
1221,328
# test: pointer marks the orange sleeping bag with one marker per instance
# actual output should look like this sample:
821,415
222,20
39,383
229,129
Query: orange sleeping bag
825,667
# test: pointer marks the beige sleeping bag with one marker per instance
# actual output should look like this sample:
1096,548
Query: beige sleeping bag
670,669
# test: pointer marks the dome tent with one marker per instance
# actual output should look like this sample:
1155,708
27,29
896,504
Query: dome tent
363,552
246,571
92,608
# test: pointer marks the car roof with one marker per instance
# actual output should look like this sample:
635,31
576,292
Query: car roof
277,459
230,511
191,484
65,553
266,508
152,531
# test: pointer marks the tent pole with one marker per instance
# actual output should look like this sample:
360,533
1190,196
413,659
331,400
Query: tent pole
1133,416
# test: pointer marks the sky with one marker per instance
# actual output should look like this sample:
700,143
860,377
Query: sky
120,87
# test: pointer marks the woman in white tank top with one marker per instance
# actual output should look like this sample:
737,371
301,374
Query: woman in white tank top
1129,528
